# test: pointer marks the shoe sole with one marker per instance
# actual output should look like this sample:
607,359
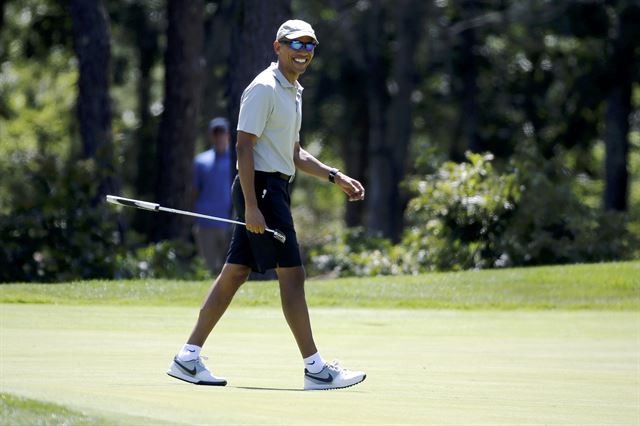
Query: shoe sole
184,378
341,387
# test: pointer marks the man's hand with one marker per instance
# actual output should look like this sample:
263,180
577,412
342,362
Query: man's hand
351,187
254,219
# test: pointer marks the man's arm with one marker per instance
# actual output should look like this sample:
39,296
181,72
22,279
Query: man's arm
311,165
252,215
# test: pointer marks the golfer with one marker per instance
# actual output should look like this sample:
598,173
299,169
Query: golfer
269,153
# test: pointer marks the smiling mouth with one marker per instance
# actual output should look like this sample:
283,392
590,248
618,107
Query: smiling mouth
300,60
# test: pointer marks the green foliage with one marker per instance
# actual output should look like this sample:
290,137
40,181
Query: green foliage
54,229
471,216
173,259
353,252
552,225
540,78
458,214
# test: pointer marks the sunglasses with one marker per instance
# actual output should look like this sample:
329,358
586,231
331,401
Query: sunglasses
298,45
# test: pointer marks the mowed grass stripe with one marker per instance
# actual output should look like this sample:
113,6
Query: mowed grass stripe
606,286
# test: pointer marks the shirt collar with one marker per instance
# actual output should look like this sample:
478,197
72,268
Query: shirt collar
282,79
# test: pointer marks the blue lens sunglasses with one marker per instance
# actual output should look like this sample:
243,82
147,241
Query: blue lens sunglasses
298,45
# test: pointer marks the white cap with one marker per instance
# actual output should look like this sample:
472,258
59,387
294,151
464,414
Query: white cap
219,122
295,28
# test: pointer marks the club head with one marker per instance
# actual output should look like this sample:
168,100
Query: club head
129,202
278,235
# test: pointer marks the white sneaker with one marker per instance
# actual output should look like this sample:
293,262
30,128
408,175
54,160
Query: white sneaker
332,376
194,372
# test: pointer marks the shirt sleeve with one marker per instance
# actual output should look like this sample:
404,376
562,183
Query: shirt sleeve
255,107
196,175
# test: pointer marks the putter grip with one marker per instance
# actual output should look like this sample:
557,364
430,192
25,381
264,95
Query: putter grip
132,203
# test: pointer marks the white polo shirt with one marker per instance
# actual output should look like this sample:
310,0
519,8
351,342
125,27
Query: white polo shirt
271,109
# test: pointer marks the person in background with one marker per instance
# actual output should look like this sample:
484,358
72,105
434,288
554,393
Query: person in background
212,185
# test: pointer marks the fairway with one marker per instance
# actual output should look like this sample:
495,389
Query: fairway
424,366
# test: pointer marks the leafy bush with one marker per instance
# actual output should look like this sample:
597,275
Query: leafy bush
173,259
459,214
53,229
553,225
353,252
50,227
470,216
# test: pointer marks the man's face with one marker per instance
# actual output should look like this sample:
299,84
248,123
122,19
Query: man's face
220,139
295,61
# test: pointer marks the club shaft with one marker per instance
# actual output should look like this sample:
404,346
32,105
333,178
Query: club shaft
145,205
204,216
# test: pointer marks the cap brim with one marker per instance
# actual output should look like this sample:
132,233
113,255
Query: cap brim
302,33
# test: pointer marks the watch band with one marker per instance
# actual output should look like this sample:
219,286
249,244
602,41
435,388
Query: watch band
332,175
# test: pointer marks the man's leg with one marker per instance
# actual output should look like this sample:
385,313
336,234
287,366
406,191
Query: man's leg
217,300
187,365
294,306
316,375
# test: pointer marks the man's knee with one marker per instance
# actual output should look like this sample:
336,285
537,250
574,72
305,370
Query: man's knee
236,275
291,280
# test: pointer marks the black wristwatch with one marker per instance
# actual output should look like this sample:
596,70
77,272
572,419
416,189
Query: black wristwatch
332,175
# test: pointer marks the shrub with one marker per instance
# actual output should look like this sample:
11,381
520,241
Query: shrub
458,214
50,227
470,216
171,259
353,252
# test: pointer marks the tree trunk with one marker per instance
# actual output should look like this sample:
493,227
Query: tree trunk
2,4
623,64
380,171
255,25
355,157
216,52
466,67
391,119
147,49
92,43
146,35
179,124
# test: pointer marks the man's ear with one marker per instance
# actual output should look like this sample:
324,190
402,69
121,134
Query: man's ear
276,47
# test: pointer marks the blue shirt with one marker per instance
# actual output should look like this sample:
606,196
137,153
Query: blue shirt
212,180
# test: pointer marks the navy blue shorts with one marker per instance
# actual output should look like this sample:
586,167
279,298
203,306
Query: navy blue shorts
262,251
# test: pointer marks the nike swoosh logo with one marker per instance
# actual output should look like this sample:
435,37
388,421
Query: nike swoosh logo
191,350
191,371
327,379
311,363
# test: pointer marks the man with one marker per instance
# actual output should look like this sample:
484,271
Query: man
212,183
269,153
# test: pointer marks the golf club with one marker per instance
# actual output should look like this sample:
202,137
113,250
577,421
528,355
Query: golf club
145,205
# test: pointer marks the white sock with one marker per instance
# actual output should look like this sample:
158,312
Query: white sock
315,363
189,352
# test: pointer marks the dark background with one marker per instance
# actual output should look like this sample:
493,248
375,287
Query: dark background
487,133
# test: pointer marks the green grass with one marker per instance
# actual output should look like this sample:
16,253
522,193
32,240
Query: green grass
16,411
551,345
423,366
595,286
